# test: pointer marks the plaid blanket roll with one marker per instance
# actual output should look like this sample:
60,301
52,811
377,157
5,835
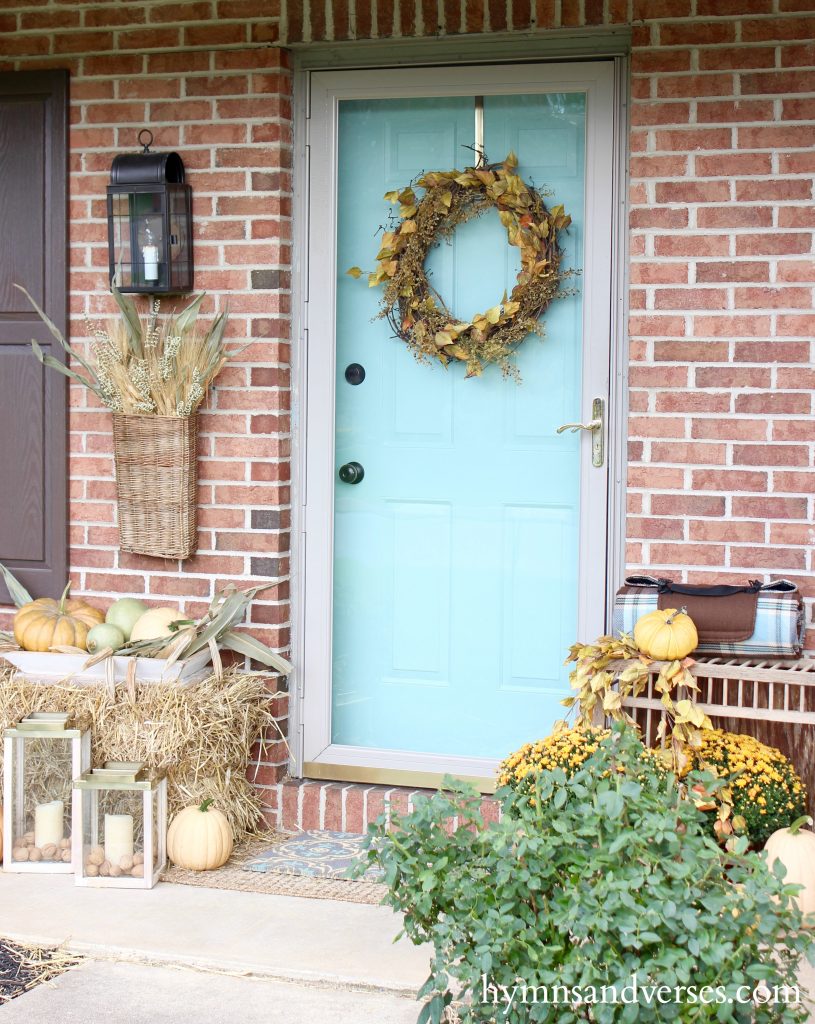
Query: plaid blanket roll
779,626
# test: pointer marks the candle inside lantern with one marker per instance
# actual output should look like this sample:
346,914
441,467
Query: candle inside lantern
150,255
48,820
118,837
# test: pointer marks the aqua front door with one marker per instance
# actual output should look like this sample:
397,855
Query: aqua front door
453,543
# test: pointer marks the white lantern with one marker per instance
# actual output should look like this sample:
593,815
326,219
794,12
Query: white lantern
120,826
42,755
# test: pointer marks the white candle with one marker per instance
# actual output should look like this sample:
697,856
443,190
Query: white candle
48,820
150,257
118,837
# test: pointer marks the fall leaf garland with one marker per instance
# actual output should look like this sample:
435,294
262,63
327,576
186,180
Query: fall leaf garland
417,313
613,669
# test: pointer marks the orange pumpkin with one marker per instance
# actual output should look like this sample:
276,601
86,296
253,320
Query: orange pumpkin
666,634
46,623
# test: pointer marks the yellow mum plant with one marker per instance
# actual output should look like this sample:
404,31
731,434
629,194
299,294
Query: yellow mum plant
565,748
764,793
767,792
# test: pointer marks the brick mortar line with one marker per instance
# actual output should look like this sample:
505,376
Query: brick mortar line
132,26
192,73
149,52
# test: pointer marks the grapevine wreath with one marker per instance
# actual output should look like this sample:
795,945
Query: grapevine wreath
416,311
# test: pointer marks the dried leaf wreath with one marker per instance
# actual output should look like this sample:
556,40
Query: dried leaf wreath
416,311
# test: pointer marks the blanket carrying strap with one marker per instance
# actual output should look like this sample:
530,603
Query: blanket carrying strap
722,590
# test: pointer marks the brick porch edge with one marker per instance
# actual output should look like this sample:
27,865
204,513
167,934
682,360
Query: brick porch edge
348,806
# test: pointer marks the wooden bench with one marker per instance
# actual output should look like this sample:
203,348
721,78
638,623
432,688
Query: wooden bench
771,700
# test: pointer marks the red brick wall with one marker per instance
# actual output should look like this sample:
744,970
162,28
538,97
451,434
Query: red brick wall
228,111
722,266
722,272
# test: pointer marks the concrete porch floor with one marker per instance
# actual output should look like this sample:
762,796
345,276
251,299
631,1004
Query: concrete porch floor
318,942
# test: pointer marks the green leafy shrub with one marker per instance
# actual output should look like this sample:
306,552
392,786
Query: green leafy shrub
604,876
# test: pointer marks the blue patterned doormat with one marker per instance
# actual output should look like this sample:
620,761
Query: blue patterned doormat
318,854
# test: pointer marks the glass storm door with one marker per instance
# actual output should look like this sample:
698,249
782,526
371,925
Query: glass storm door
456,570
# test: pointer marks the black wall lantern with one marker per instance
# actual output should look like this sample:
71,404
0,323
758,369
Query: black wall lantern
150,222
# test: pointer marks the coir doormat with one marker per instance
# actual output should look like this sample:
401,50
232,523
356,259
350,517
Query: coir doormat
315,854
232,876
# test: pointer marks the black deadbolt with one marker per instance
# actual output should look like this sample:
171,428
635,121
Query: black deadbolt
351,473
355,373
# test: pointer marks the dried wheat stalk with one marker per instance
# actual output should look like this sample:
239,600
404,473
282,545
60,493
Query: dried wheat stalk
146,365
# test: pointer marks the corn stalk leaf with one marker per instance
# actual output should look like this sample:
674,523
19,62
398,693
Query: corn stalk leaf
227,614
49,323
100,655
187,316
57,333
131,318
179,644
235,352
215,654
55,364
252,648
216,333
19,595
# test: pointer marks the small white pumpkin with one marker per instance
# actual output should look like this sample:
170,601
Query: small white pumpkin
199,838
795,848
155,624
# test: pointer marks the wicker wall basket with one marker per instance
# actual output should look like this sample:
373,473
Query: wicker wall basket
156,484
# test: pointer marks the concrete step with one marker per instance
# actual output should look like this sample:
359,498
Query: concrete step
124,993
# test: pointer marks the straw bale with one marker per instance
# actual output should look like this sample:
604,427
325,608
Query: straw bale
201,735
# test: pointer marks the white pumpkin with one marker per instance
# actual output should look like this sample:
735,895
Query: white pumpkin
155,624
199,838
795,848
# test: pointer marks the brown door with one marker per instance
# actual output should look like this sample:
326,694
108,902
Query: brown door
33,253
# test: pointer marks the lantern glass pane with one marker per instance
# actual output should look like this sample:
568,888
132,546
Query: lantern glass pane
150,268
122,250
154,810
113,834
180,245
41,799
139,245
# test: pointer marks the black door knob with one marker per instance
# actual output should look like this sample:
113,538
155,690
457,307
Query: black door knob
351,473
355,373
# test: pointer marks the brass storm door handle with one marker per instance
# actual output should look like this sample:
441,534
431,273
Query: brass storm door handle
596,426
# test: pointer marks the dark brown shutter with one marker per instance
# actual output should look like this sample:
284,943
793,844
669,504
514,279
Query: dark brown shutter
33,253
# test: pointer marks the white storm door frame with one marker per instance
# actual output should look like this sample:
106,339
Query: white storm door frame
317,412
